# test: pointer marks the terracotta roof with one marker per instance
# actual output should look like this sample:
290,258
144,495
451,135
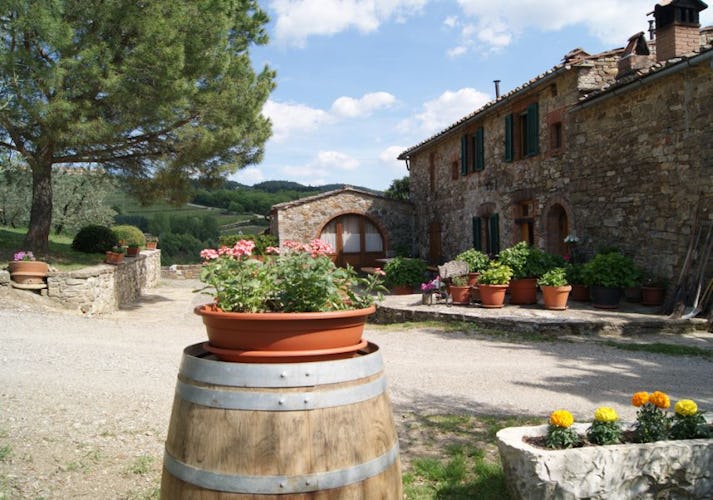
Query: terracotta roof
327,194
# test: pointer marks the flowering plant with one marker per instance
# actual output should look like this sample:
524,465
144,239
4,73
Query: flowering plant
652,424
605,428
296,277
432,286
560,433
23,255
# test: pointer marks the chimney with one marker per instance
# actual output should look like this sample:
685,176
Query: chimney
677,28
497,88
636,56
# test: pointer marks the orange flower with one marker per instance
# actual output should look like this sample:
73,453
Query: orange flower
640,399
660,399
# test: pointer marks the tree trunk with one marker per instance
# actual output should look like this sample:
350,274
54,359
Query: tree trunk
37,238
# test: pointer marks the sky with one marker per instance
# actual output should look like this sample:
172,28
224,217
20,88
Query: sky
361,81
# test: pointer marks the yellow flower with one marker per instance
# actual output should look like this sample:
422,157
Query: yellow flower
605,414
561,418
660,399
640,399
686,408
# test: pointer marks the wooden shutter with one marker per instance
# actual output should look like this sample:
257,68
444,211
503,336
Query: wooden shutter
479,150
494,242
508,138
533,129
477,233
464,155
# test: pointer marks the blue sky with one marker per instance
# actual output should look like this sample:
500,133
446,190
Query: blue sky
360,81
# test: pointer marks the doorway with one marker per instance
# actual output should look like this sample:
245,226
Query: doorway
357,240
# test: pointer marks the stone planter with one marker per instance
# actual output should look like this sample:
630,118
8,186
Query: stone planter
663,469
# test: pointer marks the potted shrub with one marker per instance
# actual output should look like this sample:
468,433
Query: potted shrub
151,242
607,274
555,288
653,290
115,255
403,274
632,293
131,237
575,277
459,290
493,283
527,263
477,262
26,270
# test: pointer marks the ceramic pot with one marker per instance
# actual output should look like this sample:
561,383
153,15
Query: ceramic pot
283,337
473,279
460,294
579,293
114,258
28,272
632,294
523,291
652,296
492,296
132,251
555,297
151,245
604,297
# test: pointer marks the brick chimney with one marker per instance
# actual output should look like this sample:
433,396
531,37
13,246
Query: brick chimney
677,27
636,56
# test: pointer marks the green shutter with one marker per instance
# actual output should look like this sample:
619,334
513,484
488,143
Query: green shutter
464,155
494,242
533,129
479,149
477,234
508,138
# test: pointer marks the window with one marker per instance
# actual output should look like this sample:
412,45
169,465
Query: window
556,136
522,133
472,152
525,221
455,173
479,150
432,171
486,234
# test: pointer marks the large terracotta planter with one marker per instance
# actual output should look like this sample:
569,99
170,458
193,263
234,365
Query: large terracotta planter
652,296
580,293
663,469
283,337
492,296
523,291
555,297
28,272
460,294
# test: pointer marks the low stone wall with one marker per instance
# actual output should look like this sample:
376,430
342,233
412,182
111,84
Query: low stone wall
105,288
181,272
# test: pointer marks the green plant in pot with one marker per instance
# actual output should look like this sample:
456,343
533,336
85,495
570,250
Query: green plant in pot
575,277
477,263
607,274
653,289
404,272
527,263
493,283
555,288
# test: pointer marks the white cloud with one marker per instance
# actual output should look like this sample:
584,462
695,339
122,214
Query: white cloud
287,118
448,108
335,159
352,108
299,19
456,51
388,158
321,168
248,176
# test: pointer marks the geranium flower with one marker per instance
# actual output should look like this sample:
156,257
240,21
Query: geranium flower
640,399
561,418
605,414
686,408
660,399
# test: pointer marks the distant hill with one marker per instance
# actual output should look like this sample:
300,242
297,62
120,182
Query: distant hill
282,186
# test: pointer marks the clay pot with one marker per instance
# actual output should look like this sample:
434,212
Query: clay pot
652,296
580,293
402,290
460,294
605,297
555,297
151,245
492,296
114,258
132,251
523,291
28,272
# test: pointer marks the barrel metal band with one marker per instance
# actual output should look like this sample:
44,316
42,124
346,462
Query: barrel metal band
270,485
210,371
215,397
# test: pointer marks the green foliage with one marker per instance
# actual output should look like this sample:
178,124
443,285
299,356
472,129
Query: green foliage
561,437
612,269
133,220
496,274
404,271
262,241
554,277
399,189
459,281
690,426
604,433
180,248
575,273
94,239
527,261
130,235
477,261
652,424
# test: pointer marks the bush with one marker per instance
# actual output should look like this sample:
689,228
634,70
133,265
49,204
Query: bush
131,235
404,271
133,220
94,239
180,249
477,261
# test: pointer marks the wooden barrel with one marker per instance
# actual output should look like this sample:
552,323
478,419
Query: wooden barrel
320,429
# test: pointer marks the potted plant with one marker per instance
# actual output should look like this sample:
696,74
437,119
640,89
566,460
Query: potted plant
115,256
132,250
653,290
527,263
477,262
632,293
575,277
493,283
607,274
403,274
129,237
555,288
431,288
151,242
297,305
26,270
459,290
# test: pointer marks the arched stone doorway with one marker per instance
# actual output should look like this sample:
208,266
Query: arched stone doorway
557,230
357,239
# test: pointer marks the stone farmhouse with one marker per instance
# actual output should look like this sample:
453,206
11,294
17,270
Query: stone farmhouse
615,148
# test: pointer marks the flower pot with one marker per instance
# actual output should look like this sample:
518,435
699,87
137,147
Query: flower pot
402,290
473,279
555,297
679,468
523,291
492,296
151,245
604,297
427,298
114,258
459,294
580,293
132,251
283,337
652,296
28,272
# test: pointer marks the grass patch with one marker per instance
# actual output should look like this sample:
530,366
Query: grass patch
662,348
141,465
5,452
60,254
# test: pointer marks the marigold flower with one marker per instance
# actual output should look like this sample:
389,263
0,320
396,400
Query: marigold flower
640,398
561,418
660,399
686,408
605,414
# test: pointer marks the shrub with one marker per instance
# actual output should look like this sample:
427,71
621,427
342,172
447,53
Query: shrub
94,239
477,261
404,271
134,220
130,235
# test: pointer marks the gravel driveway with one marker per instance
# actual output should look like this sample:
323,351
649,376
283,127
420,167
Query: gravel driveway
85,401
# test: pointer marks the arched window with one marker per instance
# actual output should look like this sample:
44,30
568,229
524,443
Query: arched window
358,240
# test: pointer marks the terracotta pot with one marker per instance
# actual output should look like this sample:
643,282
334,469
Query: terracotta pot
492,296
580,293
555,297
402,290
523,291
473,278
151,245
132,251
283,337
605,297
28,272
460,294
652,296
114,258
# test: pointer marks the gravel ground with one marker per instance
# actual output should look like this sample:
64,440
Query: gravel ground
85,401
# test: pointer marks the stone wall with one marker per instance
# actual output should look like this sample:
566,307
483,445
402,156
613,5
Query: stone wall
105,288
